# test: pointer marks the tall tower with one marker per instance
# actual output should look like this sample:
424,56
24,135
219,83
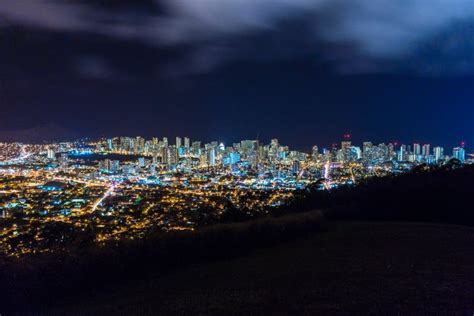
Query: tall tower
459,153
346,143
438,153
426,150
416,149
51,154
402,153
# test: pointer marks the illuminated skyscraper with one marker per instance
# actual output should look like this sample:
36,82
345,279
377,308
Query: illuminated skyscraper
296,167
402,153
211,156
345,145
51,154
125,144
438,153
196,148
115,166
426,150
105,165
234,157
172,153
63,161
164,155
110,145
315,153
249,147
274,143
178,142
391,152
141,162
459,153
366,147
416,149
139,144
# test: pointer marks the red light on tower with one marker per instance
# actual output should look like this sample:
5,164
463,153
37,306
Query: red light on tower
463,143
347,136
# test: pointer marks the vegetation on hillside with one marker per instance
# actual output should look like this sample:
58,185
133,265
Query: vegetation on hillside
440,195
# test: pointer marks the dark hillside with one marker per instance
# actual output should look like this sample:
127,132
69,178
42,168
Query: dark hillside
26,284
440,196
432,260
354,268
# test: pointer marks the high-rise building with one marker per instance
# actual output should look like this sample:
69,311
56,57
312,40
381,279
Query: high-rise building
391,152
125,144
164,155
296,167
426,150
139,145
416,149
115,167
172,155
105,165
274,143
50,154
249,147
438,153
63,161
211,156
178,142
196,148
141,162
234,157
366,147
110,145
346,144
221,148
402,153
315,153
459,153
186,142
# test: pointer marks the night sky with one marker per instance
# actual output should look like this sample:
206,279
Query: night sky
303,71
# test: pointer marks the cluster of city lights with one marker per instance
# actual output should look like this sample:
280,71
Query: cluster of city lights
55,195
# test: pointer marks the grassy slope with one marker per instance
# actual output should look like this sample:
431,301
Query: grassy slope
286,264
375,267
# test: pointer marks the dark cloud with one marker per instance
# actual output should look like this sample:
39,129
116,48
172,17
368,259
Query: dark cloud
92,67
305,71
376,36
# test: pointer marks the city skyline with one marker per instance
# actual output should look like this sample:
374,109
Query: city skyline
125,188
23,137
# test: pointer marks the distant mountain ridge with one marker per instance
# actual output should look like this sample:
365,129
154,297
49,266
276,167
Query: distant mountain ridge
39,134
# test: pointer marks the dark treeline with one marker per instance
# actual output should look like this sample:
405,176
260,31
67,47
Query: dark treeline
427,194
436,195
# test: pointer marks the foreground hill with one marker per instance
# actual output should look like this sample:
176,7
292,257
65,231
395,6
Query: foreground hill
369,250
369,268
